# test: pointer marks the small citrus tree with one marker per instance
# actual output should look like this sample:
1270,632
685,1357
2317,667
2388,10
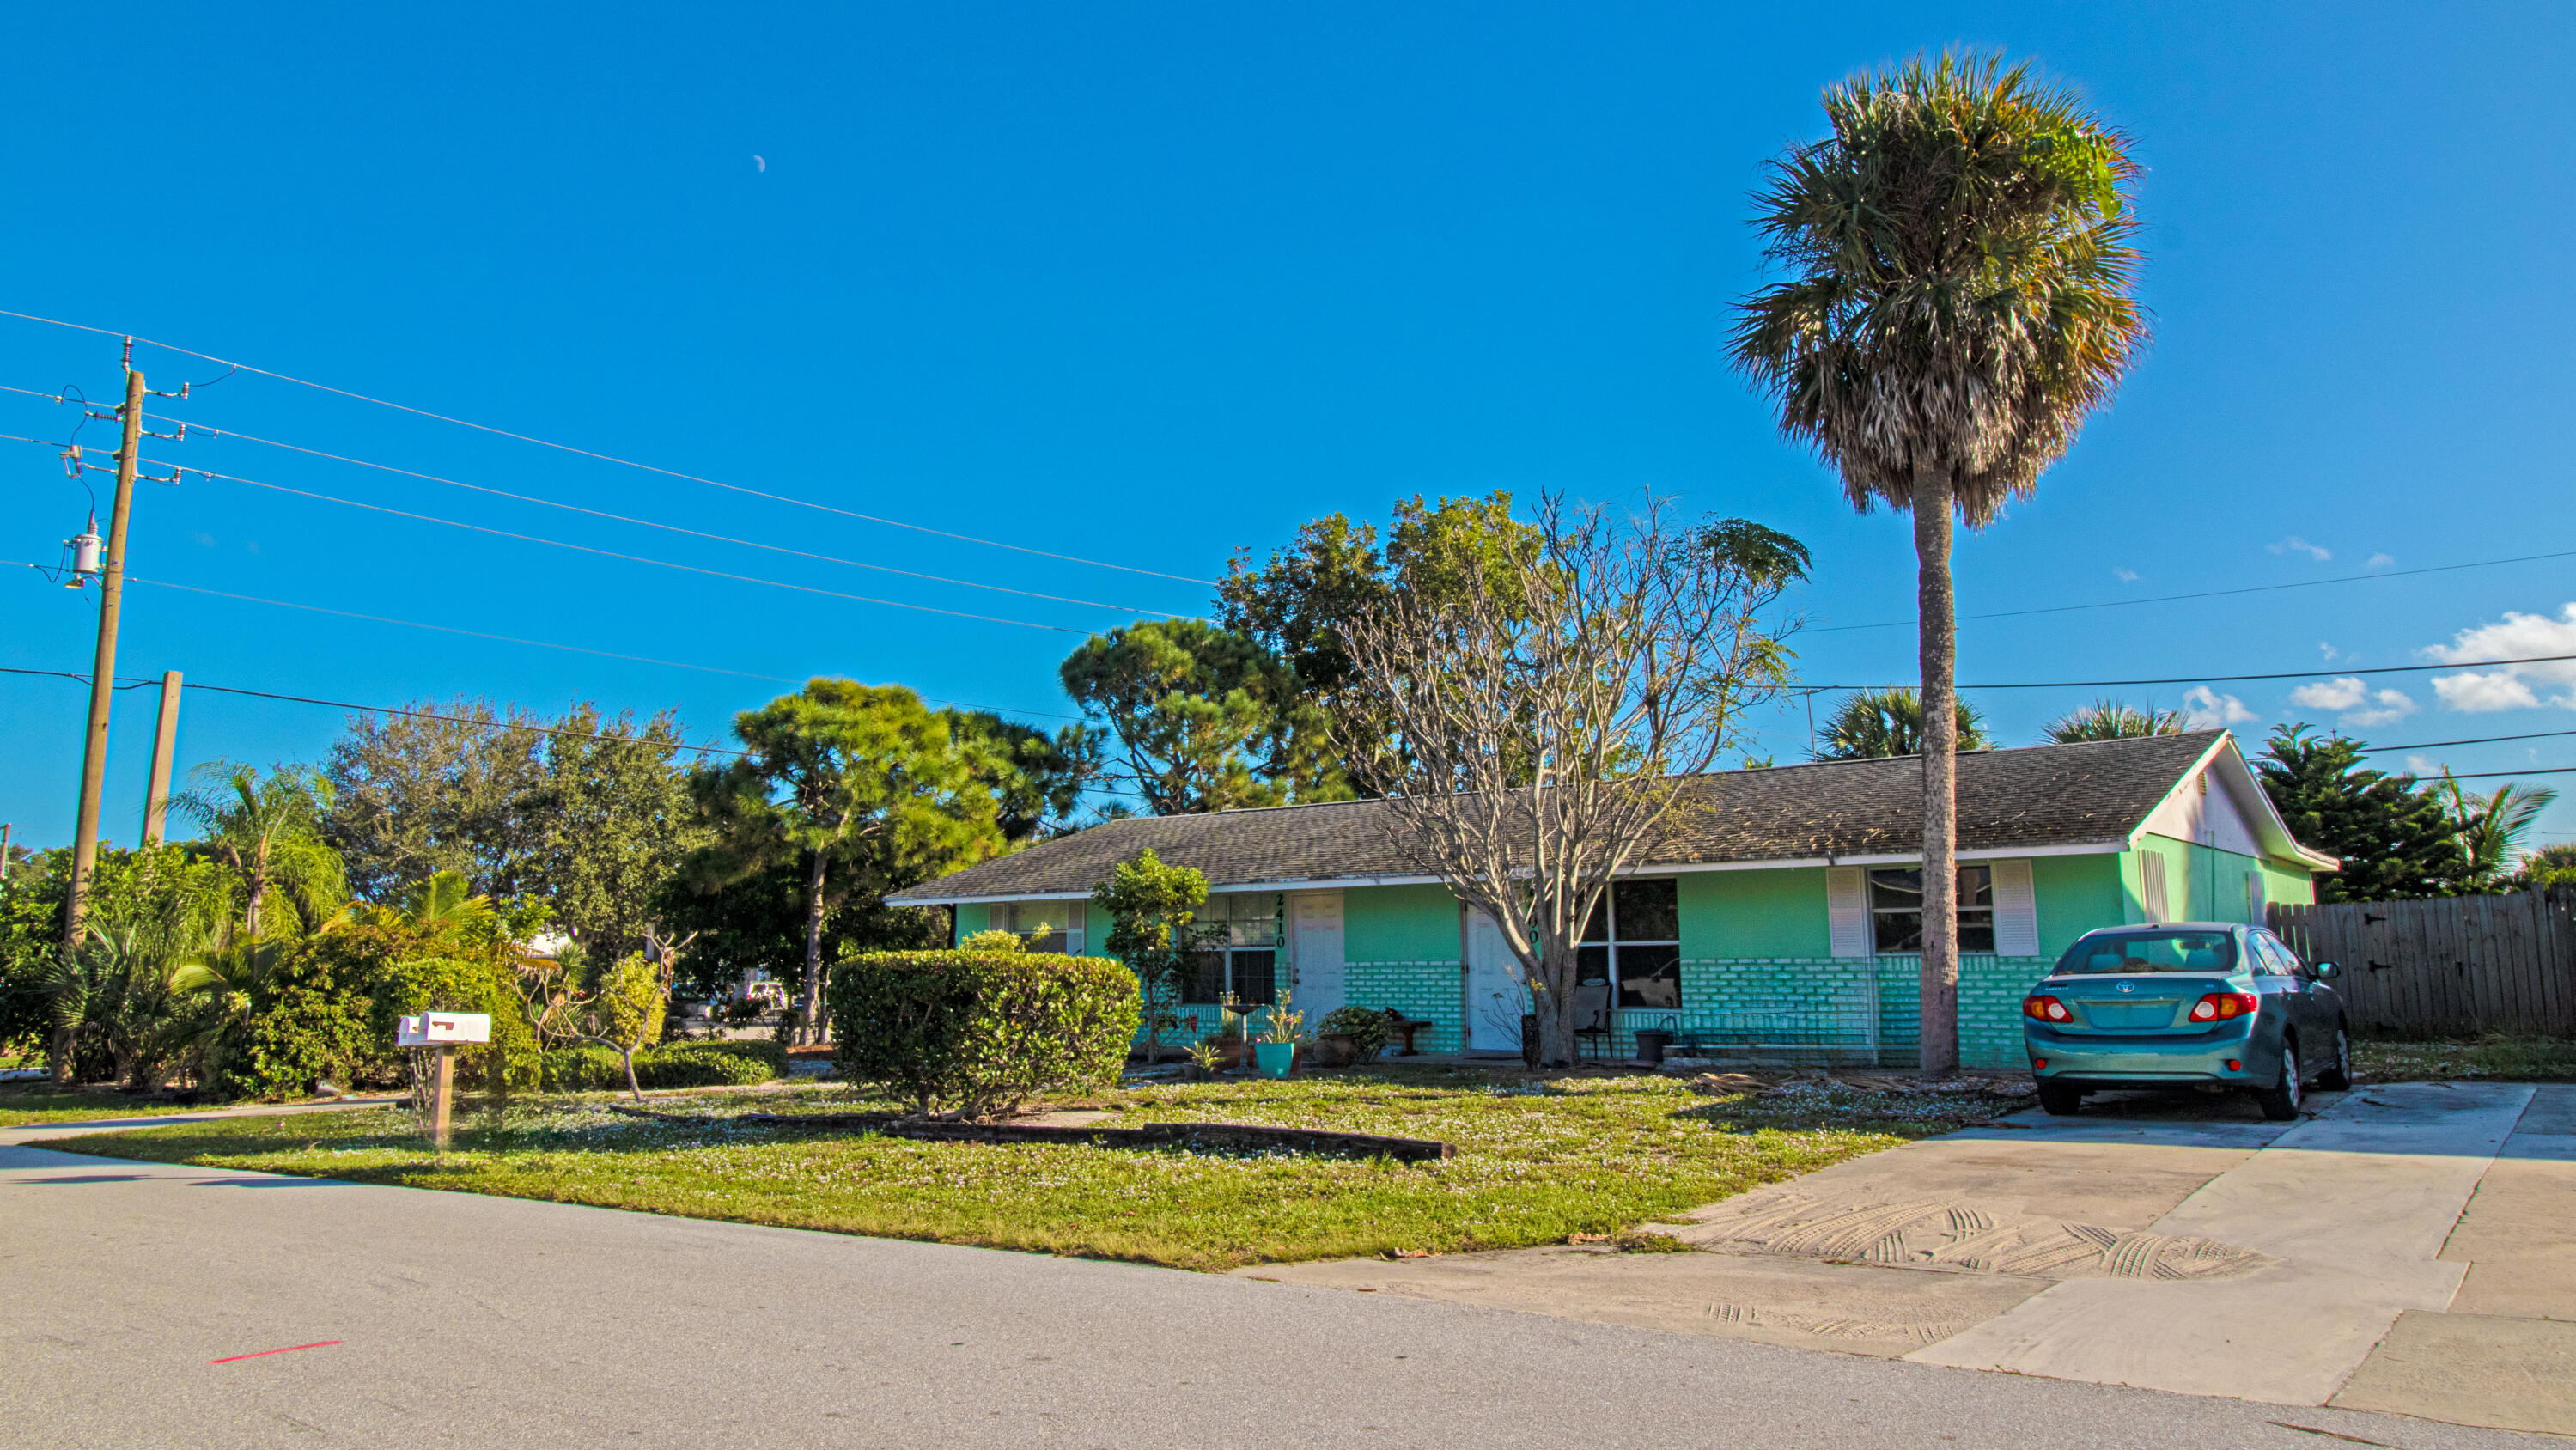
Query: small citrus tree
1150,908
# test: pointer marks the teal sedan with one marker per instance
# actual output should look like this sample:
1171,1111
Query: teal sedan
2186,1004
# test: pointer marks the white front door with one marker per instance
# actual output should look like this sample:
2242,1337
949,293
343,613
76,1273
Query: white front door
1495,1000
1316,918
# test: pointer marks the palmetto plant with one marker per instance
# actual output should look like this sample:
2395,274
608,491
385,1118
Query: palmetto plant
2114,720
1871,724
268,831
213,996
114,992
1957,300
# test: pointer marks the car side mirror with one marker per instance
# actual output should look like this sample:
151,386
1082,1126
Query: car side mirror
2323,970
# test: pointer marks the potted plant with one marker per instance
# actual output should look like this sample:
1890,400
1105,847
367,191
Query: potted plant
1351,1034
1276,1053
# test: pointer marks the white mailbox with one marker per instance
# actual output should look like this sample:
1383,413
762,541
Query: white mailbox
440,1029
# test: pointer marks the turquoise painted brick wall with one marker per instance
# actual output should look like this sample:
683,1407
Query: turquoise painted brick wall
1990,993
1425,990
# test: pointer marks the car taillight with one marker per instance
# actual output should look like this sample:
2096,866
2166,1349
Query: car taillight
2219,1006
2045,1009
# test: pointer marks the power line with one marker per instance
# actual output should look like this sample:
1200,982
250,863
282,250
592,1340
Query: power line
213,432
515,639
631,558
459,719
381,710
572,648
2214,593
604,457
2225,679
2481,740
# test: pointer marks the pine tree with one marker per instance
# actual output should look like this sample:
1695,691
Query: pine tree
2395,839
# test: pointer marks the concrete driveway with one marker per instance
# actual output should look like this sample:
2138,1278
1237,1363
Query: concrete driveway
2408,1249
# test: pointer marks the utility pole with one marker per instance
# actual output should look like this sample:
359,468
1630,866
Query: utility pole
102,680
165,740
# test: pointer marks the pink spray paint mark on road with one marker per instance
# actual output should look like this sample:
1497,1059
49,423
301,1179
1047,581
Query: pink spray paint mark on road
264,1353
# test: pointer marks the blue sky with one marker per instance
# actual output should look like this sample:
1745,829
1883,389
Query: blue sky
1149,284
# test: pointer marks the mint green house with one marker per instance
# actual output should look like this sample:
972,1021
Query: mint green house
1786,915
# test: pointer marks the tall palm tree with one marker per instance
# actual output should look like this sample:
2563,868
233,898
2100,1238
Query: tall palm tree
2108,719
269,832
1875,723
1958,300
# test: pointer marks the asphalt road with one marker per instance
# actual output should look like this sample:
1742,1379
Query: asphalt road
471,1321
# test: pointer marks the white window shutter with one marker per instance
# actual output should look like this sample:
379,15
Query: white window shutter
1847,911
2016,909
2151,885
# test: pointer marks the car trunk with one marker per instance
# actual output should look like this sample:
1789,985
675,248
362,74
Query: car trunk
2136,1002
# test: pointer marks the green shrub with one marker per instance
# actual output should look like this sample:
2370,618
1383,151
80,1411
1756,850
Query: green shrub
306,1025
674,1065
450,984
979,1033
1367,1030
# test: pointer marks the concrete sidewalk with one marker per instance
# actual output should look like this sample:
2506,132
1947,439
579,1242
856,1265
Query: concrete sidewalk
2408,1250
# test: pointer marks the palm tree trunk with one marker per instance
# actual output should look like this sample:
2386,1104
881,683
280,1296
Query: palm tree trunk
1940,657
810,1008
60,1051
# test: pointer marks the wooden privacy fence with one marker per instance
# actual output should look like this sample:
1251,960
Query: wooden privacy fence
2447,967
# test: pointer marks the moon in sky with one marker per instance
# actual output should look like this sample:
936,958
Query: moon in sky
760,163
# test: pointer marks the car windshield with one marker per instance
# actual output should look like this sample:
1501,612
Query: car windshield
2151,951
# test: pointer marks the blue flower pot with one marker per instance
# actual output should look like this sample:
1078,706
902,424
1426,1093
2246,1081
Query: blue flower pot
1273,1059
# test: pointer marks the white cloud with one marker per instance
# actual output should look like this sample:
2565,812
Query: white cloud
2125,576
2356,702
2422,765
2378,561
2343,694
2296,545
2328,650
2206,709
2477,694
2511,687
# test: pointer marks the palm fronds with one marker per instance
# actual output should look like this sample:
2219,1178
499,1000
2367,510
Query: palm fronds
2108,719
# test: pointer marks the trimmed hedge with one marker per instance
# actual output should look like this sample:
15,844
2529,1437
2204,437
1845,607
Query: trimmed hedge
673,1065
978,1033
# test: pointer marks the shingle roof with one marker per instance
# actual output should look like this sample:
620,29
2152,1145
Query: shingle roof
2046,795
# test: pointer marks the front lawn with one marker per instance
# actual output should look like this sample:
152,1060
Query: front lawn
1538,1160
24,1106
2487,1059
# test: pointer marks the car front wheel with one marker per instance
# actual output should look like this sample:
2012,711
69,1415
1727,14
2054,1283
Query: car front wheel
2060,1102
2338,1074
2281,1104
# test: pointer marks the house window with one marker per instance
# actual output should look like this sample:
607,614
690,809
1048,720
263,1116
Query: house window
1896,910
1237,937
1047,926
1634,939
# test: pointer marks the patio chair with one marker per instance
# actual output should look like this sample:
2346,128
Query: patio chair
1592,1019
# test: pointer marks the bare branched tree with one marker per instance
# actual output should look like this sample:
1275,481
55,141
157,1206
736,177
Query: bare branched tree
1541,723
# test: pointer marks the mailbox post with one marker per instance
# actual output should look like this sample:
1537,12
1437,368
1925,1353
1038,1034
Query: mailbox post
442,1032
